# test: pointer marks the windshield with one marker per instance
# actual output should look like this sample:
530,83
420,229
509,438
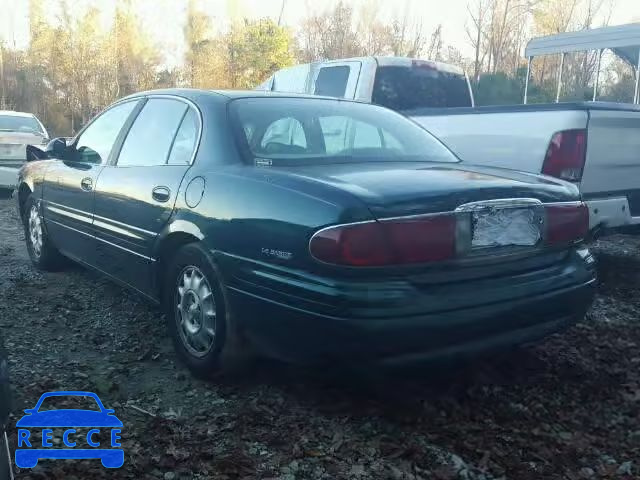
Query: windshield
295,130
62,402
14,123
420,86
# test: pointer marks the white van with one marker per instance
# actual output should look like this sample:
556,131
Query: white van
395,82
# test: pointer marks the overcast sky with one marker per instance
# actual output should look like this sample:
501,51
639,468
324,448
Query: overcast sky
164,19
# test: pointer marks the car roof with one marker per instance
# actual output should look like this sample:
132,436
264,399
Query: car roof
68,393
225,95
11,113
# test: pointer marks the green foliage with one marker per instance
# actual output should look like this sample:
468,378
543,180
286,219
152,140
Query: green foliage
74,67
256,50
501,89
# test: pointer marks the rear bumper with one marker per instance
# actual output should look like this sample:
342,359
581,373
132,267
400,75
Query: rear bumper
294,331
606,213
8,176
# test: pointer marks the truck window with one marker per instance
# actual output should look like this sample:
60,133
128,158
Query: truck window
409,88
332,81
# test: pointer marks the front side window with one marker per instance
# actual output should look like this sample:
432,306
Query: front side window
151,135
294,130
95,143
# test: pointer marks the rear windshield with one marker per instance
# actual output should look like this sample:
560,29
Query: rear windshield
410,88
306,130
13,123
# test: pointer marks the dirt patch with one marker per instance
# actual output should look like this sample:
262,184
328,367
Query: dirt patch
566,409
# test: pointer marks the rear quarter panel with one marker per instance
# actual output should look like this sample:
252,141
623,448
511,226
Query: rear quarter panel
246,219
516,140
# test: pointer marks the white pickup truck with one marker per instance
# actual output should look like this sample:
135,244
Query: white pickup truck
595,145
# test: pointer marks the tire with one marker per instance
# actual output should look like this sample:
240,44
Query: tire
201,326
5,460
44,255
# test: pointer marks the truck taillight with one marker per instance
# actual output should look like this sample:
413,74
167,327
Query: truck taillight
566,223
389,242
566,155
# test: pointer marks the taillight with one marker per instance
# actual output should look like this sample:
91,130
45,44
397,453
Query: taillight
431,238
566,223
566,155
389,242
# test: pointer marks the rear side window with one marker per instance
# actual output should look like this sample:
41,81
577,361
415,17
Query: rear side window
186,138
332,81
149,139
422,86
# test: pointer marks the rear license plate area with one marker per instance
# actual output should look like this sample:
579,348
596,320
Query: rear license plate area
496,227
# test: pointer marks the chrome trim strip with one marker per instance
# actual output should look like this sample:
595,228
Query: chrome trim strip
65,213
413,217
49,202
564,204
125,249
70,228
105,219
112,228
104,241
115,222
499,203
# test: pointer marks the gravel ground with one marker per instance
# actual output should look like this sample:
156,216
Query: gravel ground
566,409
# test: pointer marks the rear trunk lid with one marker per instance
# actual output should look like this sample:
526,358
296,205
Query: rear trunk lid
13,147
396,189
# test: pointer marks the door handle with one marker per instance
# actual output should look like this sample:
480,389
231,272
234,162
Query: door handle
86,184
161,194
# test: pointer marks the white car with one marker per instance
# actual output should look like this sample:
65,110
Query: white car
17,130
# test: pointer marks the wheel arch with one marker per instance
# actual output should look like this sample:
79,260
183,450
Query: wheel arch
175,236
24,190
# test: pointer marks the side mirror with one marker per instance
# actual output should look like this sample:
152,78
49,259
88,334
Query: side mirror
34,153
109,411
56,148
30,410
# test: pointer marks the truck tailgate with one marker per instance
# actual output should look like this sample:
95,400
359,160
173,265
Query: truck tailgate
612,168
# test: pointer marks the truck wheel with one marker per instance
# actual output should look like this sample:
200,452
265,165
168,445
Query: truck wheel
43,254
203,331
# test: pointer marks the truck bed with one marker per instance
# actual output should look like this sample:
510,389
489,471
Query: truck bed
518,137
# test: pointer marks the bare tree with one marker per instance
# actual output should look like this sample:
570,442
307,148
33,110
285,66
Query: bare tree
477,31
407,35
433,51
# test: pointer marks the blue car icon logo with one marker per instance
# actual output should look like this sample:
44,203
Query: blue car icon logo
27,455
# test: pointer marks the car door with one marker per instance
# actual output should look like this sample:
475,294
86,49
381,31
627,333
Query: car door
135,194
68,193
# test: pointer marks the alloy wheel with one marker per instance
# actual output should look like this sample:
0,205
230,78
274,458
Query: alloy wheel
35,231
195,311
